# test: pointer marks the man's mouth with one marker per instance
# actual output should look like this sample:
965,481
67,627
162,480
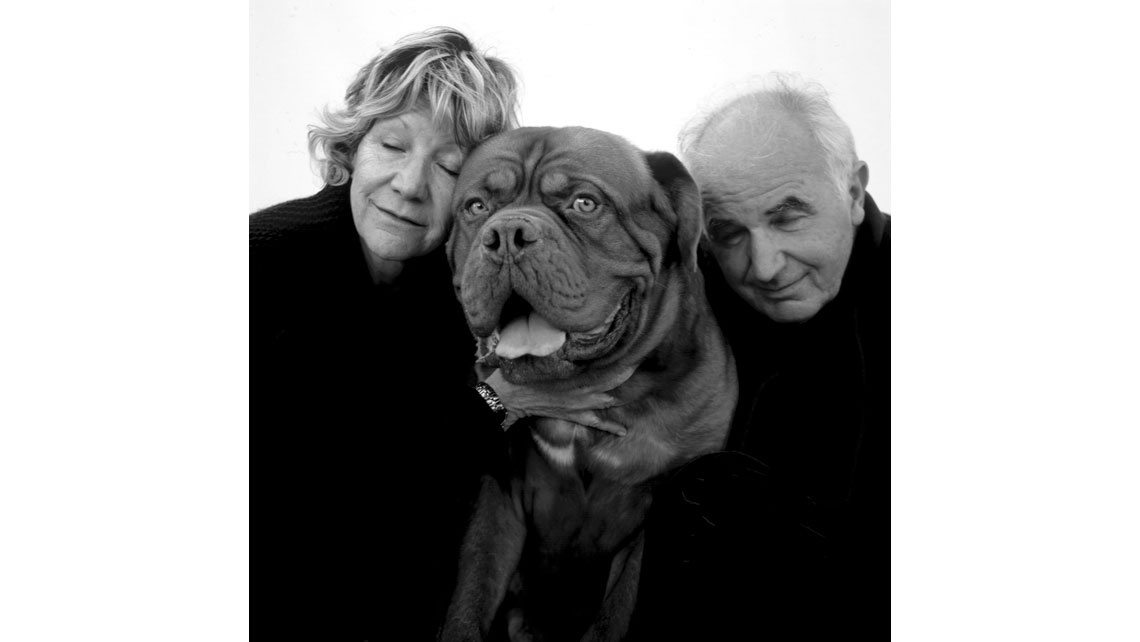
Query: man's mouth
780,290
523,332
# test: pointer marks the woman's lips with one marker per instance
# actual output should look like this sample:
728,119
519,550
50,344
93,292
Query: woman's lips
391,214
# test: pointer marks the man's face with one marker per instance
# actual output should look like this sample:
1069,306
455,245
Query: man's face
779,228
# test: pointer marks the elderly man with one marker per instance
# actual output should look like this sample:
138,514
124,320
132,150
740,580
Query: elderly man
789,529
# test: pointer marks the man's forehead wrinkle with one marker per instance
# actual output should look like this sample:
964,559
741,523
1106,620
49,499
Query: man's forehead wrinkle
718,191
724,164
741,198
731,205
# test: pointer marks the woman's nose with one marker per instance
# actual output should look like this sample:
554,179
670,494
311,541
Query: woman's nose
411,181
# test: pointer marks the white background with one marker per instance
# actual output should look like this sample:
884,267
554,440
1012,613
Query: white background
1015,427
639,70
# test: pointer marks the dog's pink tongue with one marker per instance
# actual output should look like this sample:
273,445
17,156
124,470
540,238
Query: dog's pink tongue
531,334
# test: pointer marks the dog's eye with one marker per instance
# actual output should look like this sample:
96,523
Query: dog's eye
476,207
585,205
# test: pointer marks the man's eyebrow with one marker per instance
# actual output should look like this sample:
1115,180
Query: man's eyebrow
790,203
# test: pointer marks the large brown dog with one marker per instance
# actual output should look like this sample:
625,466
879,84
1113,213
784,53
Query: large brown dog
574,257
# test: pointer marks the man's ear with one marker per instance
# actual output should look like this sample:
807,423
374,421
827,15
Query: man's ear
857,189
679,200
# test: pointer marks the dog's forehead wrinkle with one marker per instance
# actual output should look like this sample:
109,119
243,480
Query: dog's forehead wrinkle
594,149
501,180
534,156
553,182
644,231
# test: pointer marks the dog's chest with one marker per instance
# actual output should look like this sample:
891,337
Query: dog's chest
576,503
566,445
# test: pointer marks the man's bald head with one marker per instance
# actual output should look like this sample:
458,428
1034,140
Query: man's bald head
781,105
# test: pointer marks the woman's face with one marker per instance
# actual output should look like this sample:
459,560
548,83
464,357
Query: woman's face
403,174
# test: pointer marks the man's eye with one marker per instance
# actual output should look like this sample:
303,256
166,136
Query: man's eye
454,173
585,205
723,233
476,207
789,222
393,146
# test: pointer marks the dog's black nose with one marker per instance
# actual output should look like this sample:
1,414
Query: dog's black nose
506,238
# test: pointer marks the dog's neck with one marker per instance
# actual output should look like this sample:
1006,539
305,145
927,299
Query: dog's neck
683,331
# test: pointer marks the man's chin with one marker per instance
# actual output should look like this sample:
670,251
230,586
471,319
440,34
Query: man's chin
788,310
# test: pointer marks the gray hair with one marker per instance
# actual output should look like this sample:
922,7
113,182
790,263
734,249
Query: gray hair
805,101
472,94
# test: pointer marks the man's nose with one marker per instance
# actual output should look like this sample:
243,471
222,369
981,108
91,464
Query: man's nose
411,180
767,256
505,238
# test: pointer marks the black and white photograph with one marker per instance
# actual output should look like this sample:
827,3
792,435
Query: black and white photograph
570,321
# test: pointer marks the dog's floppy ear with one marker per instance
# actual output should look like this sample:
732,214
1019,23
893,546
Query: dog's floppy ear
682,200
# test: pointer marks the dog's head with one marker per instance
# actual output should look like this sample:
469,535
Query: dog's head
560,240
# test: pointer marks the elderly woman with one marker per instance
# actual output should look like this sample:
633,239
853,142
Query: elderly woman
367,435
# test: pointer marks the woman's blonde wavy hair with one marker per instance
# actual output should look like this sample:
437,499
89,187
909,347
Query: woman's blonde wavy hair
439,70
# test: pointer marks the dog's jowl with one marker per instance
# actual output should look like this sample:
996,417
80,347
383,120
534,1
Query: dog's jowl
574,257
